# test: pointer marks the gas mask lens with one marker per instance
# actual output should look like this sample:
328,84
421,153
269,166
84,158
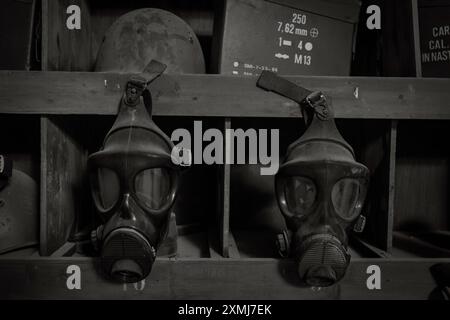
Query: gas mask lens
347,197
107,186
152,187
300,193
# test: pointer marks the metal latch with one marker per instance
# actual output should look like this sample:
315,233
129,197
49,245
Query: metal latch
138,84
318,103
314,100
360,224
135,87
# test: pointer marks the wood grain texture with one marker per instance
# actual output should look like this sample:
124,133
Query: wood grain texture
427,245
422,176
224,217
375,154
416,30
64,49
388,52
392,167
66,250
213,279
222,96
62,174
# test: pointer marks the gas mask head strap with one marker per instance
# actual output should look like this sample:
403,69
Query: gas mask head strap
6,166
311,102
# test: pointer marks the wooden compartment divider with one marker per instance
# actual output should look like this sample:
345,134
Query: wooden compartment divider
392,165
63,164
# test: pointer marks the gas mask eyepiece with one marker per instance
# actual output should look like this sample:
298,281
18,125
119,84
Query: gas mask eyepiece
320,188
134,185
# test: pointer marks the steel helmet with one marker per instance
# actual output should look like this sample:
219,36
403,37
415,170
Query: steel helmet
142,35
19,208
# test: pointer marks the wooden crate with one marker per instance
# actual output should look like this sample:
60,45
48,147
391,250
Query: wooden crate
225,250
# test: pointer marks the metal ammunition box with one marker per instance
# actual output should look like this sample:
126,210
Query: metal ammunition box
289,37
434,24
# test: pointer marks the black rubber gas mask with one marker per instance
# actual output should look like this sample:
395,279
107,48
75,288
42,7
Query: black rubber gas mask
134,185
320,189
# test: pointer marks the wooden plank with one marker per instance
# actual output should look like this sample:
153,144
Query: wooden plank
16,24
224,218
213,242
45,34
62,165
66,250
64,49
375,154
424,244
31,36
233,250
222,96
369,250
394,58
391,200
45,278
416,30
422,176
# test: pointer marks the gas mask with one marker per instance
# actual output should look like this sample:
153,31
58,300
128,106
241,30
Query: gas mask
320,189
134,185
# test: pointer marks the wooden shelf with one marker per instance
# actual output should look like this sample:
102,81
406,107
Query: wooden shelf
84,93
213,278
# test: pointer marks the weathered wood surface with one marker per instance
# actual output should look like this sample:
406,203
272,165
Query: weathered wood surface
63,163
213,279
392,185
222,96
422,175
62,48
224,215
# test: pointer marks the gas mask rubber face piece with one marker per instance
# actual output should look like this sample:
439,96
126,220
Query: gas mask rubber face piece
320,190
134,185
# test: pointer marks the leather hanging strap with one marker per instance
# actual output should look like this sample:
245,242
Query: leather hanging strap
307,99
137,85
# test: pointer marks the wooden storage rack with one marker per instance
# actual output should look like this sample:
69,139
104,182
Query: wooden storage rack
61,111
67,94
